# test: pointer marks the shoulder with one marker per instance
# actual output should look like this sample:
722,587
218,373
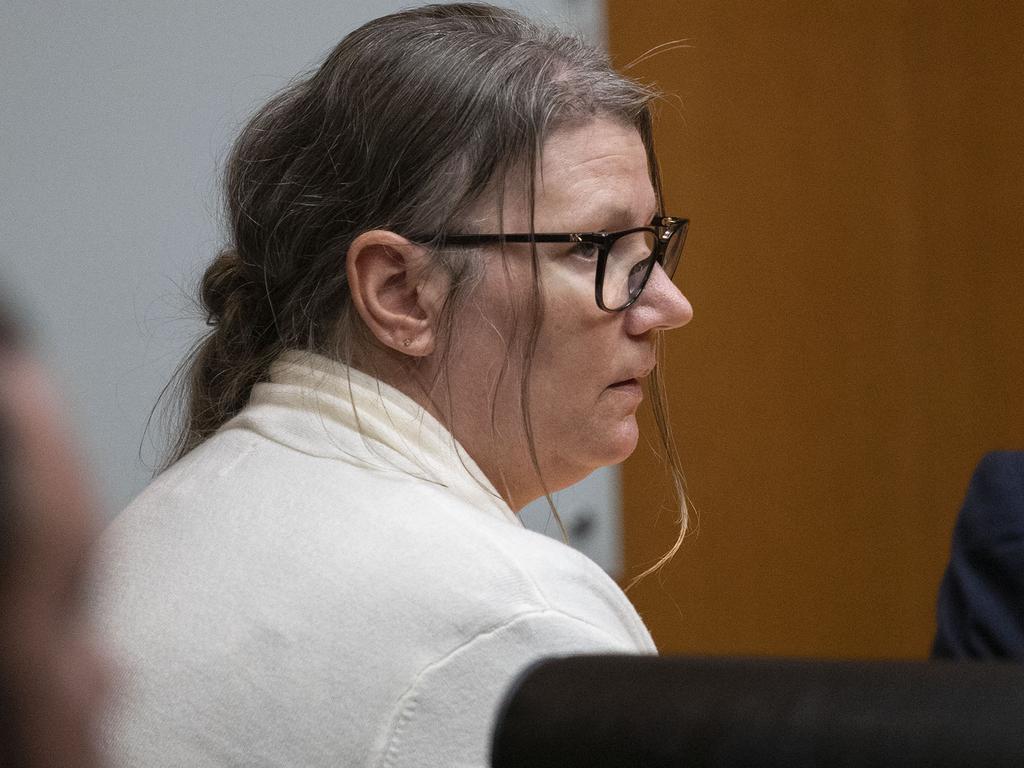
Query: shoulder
1002,472
447,714
994,505
243,561
496,570
982,592
255,522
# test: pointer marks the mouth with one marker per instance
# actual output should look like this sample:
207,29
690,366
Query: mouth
634,381
628,387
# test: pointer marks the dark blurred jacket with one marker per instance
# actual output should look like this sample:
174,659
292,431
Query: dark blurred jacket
981,600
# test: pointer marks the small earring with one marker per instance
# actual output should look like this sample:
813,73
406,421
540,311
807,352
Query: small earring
407,342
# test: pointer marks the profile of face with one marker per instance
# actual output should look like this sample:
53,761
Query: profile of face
586,371
589,365
53,674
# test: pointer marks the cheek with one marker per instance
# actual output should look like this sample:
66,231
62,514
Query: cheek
580,353
483,362
578,348
575,361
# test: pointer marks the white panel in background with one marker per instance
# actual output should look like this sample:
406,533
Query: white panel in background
591,511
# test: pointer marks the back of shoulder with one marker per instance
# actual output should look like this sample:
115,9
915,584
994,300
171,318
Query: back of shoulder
233,510
517,571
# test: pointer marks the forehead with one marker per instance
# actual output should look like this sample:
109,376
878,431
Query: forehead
594,176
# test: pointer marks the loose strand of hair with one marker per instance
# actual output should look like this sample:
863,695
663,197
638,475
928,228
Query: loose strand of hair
662,48
537,315
659,408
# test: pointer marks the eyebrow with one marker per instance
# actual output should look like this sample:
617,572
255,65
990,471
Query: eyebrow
617,218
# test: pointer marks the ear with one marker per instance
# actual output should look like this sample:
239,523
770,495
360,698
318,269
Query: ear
395,294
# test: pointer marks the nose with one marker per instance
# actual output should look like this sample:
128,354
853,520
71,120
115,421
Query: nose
661,306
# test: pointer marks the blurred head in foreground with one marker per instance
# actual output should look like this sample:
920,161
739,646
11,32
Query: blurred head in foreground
51,674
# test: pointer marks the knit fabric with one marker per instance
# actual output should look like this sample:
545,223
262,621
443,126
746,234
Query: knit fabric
331,581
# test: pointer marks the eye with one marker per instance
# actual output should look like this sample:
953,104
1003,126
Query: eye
639,268
587,251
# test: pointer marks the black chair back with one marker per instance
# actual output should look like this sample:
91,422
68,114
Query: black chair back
649,712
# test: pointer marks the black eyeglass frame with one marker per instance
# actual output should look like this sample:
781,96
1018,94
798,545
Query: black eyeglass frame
664,228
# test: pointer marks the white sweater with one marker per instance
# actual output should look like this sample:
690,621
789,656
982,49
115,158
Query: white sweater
326,585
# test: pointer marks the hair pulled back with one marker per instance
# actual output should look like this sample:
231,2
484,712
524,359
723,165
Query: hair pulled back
404,126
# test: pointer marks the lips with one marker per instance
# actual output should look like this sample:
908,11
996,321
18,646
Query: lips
631,388
642,374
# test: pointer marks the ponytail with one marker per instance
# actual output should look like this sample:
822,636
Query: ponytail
232,358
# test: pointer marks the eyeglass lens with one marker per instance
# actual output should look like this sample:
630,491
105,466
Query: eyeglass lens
630,263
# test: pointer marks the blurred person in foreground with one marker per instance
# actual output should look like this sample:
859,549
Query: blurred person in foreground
52,677
448,271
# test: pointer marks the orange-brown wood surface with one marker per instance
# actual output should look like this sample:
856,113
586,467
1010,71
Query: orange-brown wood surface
855,177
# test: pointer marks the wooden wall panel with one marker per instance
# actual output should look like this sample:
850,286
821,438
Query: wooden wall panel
856,263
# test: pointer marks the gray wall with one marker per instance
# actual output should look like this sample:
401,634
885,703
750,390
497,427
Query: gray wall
114,120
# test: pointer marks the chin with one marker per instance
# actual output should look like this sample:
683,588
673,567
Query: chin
593,448
615,445
628,439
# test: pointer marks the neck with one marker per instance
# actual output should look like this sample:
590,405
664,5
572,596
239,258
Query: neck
497,443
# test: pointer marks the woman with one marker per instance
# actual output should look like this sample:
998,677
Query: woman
331,572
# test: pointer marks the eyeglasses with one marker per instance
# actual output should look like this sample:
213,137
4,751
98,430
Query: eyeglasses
625,259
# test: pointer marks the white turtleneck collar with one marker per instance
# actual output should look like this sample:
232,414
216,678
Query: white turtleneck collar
325,408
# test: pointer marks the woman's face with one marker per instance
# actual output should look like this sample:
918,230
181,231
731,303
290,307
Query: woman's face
588,365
